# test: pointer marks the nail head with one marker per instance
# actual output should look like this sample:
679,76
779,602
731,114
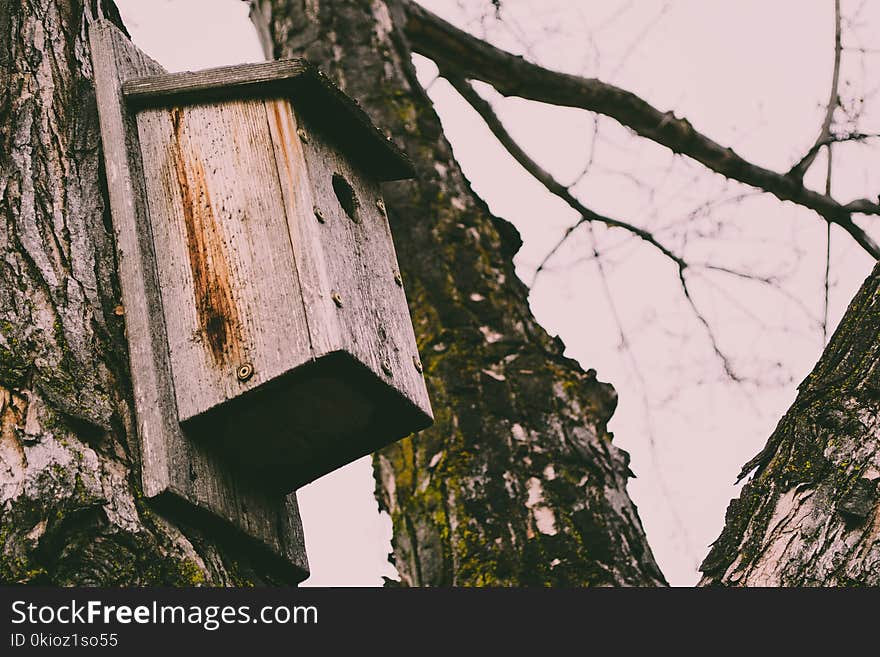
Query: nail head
244,372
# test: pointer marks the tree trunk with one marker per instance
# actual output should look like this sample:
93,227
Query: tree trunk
518,482
810,515
71,511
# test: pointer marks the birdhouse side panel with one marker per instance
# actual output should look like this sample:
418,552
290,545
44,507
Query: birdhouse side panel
374,319
231,296
392,310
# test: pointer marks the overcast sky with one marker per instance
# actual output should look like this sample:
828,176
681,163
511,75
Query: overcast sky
753,75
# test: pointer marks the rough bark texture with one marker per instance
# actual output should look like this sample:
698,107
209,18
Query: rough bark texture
810,515
518,482
71,511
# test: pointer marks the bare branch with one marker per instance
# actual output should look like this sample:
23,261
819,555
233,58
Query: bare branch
799,169
461,55
588,217
484,109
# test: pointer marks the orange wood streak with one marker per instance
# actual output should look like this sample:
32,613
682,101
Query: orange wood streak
215,304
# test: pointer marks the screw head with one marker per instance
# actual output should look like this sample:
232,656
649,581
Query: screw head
418,364
303,135
398,279
319,215
244,372
337,299
386,367
381,205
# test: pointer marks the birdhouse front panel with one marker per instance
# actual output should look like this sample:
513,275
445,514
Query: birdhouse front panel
230,292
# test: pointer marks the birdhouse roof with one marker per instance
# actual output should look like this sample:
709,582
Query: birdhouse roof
322,103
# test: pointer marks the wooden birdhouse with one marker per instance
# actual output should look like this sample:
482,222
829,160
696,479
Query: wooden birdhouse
264,307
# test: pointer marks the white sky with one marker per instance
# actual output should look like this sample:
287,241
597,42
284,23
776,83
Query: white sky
753,75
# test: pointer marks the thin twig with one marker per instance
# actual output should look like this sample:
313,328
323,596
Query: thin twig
768,281
722,357
827,249
591,154
799,169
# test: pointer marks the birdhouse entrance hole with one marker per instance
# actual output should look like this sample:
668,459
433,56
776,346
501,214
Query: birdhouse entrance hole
345,195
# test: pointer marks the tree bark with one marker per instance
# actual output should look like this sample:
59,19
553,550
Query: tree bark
810,514
71,509
518,482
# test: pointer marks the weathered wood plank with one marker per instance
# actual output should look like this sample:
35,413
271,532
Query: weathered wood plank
328,108
251,77
227,266
172,467
381,275
305,221
114,58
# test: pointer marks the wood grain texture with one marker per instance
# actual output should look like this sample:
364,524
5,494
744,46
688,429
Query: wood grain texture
313,94
304,227
227,267
173,469
222,80
114,58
